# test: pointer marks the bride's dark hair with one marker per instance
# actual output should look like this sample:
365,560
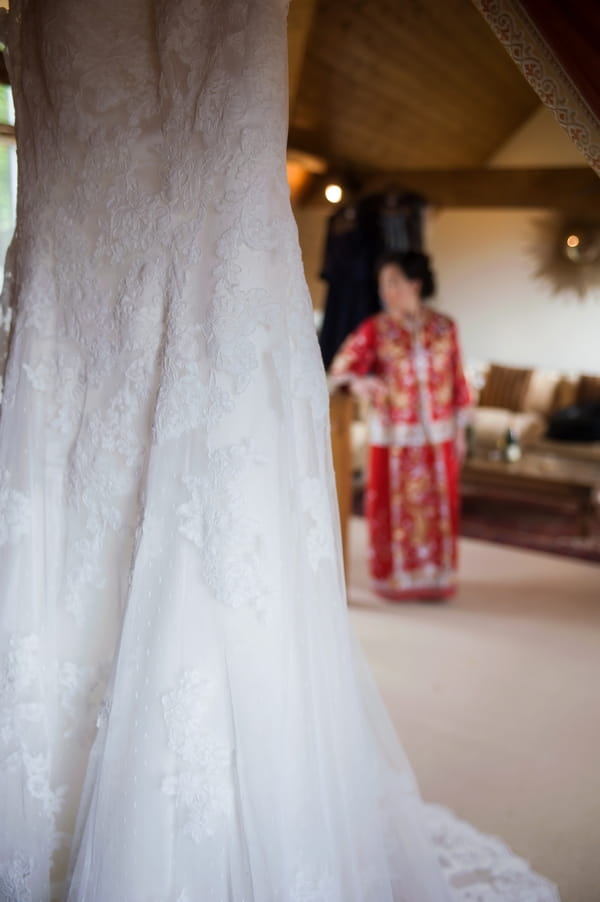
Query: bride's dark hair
414,265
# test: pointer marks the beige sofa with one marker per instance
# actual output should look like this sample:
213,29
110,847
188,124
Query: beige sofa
522,400
507,398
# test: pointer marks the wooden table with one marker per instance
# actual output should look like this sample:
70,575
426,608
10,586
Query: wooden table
537,478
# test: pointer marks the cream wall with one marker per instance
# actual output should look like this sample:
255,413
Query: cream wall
504,314
539,142
485,273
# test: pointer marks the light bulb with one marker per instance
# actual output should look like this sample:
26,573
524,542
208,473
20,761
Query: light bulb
334,193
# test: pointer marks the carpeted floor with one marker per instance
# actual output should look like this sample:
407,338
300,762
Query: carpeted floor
496,696
537,528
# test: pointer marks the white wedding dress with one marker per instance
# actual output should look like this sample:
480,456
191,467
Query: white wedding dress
183,715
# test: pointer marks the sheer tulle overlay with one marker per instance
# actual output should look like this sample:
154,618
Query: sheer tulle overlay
184,716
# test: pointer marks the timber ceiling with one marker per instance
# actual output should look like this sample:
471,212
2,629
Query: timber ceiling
418,94
386,85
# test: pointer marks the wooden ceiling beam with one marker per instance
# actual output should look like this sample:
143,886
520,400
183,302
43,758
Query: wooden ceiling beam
576,190
389,84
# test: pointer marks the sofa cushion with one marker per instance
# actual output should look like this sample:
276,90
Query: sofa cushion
588,390
490,425
505,387
566,392
541,392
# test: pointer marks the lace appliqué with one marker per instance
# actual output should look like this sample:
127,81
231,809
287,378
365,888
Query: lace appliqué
152,533
307,373
103,714
224,535
14,879
310,889
15,512
97,489
482,868
81,690
62,383
201,788
319,538
19,711
37,770
18,675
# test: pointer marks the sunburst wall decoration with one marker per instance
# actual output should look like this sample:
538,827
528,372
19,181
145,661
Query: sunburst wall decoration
566,251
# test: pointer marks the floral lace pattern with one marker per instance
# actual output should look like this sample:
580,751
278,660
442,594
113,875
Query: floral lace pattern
19,671
14,880
319,536
201,787
81,688
37,770
305,889
15,514
482,867
225,538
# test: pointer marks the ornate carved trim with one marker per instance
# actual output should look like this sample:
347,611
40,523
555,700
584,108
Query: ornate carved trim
528,49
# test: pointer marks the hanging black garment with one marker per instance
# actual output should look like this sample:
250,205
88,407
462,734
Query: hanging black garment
356,238
348,269
399,221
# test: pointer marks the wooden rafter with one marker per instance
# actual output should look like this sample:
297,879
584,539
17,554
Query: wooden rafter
569,189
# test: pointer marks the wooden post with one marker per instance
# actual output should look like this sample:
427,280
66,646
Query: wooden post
341,406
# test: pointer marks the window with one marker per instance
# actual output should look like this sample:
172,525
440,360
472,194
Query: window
8,169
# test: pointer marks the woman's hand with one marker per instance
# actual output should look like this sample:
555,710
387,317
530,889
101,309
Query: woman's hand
369,388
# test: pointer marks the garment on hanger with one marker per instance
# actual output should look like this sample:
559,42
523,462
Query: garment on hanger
387,221
184,716
348,270
401,220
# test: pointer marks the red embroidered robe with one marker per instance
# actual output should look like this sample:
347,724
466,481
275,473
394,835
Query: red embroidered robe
412,486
